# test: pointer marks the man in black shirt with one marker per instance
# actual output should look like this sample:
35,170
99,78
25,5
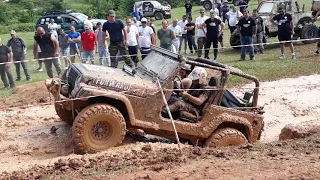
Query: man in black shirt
260,32
211,27
285,30
247,29
190,27
49,46
188,7
6,56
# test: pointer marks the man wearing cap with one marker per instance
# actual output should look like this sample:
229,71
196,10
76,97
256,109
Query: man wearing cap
6,56
194,99
88,45
182,23
201,34
146,38
49,46
285,30
213,33
19,49
118,39
177,31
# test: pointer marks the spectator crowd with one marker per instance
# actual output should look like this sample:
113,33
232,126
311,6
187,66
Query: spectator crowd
138,34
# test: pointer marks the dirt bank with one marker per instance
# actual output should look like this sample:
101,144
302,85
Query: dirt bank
36,136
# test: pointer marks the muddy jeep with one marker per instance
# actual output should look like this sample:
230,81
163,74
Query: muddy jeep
303,21
153,9
109,101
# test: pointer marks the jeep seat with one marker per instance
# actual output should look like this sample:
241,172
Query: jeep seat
229,100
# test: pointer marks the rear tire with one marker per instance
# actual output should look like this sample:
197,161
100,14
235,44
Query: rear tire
207,5
309,31
158,16
235,40
98,127
64,114
226,137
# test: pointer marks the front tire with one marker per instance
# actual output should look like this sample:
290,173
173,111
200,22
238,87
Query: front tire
309,31
64,114
98,127
207,5
158,16
235,40
226,137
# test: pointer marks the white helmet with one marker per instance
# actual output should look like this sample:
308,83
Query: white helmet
198,73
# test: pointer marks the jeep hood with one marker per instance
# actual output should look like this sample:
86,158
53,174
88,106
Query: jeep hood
111,78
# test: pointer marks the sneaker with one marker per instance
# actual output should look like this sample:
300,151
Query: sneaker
282,56
6,87
215,60
29,79
294,56
207,57
252,58
242,59
261,52
40,70
18,79
317,53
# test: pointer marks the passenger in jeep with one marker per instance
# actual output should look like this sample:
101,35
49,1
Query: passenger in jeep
194,99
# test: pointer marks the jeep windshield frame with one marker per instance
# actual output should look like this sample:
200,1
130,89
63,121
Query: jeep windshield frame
159,63
156,3
266,7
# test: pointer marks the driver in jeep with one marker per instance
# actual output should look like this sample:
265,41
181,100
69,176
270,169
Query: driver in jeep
194,99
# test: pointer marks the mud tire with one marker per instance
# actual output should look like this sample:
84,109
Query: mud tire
95,118
309,31
207,5
226,137
158,15
64,114
235,40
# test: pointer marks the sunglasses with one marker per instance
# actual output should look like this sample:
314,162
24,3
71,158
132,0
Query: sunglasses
40,34
201,12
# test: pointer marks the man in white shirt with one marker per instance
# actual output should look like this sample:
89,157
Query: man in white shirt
133,36
53,27
177,31
233,17
88,23
182,23
136,22
201,34
216,10
146,38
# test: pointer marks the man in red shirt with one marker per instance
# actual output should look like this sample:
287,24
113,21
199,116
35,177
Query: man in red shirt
88,45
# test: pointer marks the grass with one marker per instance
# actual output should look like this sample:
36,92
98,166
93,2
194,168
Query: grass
266,67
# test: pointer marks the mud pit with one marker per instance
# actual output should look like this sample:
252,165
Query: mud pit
28,138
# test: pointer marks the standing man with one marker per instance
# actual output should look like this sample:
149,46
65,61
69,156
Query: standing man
49,49
146,38
233,18
243,5
247,29
88,45
133,36
177,31
88,23
218,5
285,31
74,39
191,28
6,56
118,39
188,7
317,17
137,15
201,34
211,27
225,9
166,35
103,51
182,23
135,22
65,47
53,28
260,32
19,50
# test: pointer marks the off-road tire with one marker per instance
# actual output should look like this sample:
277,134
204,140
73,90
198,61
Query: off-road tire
64,114
158,15
309,31
207,5
226,137
235,40
85,132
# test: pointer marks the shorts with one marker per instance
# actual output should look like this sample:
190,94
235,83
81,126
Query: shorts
285,37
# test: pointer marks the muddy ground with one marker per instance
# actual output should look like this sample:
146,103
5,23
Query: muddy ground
30,148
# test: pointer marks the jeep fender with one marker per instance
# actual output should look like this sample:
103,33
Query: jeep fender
227,120
108,97
305,19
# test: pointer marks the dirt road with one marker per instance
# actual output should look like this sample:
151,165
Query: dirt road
36,136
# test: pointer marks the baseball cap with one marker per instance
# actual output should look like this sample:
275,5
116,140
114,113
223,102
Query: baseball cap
212,11
111,13
13,32
86,27
198,73
144,20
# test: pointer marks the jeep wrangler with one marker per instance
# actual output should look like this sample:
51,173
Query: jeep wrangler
102,103
153,9
303,21
207,4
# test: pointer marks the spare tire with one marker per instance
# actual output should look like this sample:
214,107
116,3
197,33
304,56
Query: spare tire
235,40
309,31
